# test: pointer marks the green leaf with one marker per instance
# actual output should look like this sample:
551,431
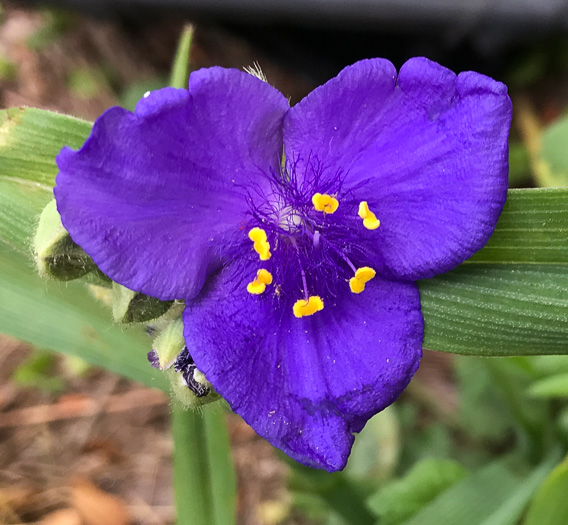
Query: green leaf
401,499
547,365
376,450
532,229
495,495
204,476
497,310
483,415
553,161
30,139
67,318
550,504
511,509
519,165
341,495
553,386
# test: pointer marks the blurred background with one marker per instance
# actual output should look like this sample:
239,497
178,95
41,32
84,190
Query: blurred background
78,441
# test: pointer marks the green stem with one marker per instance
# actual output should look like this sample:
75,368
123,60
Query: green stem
180,68
204,478
204,474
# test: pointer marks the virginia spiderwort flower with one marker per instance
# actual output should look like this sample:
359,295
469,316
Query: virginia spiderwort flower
295,234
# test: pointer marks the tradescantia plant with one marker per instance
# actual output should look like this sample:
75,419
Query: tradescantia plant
274,250
294,234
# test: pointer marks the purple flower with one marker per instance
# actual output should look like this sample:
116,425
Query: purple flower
295,235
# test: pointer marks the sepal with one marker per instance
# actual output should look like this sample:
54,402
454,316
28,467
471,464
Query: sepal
129,306
56,255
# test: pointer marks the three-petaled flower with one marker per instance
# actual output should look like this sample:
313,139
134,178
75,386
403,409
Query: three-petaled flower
295,234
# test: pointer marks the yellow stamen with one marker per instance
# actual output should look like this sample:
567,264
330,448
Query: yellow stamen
255,287
324,202
263,277
370,220
263,250
362,276
257,235
356,285
365,274
303,308
261,245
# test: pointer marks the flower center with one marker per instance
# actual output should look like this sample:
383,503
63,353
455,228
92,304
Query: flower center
290,219
308,238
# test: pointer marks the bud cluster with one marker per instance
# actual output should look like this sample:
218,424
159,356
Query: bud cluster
58,257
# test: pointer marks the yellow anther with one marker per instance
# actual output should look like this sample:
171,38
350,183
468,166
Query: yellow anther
303,308
263,277
356,285
370,220
324,202
255,287
365,274
263,250
261,245
362,276
257,235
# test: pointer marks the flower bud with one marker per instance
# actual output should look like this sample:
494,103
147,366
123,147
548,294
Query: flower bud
56,255
129,306
189,385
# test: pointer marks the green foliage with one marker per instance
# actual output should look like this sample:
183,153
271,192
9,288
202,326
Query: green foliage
56,22
495,495
378,449
550,504
37,372
552,386
497,310
30,139
519,165
401,499
180,68
86,83
336,491
483,415
531,230
68,319
8,69
553,166
204,477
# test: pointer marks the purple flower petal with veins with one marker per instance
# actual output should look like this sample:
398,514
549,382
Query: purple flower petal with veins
295,235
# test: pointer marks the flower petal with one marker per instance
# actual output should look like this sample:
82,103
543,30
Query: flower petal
306,384
153,196
428,152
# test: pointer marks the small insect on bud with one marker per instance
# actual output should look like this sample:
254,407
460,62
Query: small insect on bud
56,255
170,353
135,307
